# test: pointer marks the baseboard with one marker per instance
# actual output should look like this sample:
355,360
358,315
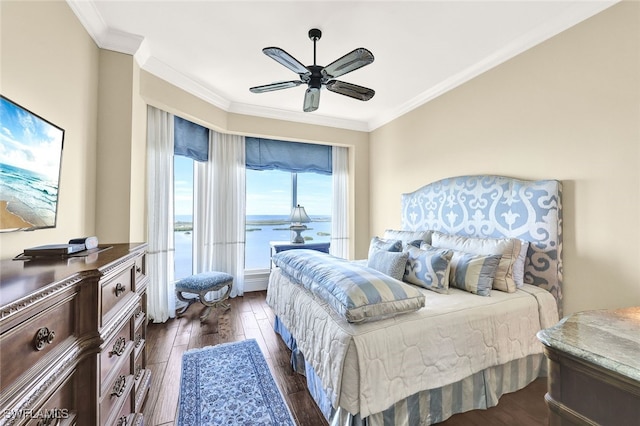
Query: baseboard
257,281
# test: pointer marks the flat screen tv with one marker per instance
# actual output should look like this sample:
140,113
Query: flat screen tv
30,163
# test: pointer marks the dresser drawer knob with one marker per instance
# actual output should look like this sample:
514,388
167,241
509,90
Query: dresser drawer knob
44,337
119,346
122,421
138,269
120,289
119,386
138,340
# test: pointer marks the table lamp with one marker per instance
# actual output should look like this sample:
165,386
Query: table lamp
297,218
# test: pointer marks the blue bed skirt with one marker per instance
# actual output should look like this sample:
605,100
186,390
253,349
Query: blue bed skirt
478,391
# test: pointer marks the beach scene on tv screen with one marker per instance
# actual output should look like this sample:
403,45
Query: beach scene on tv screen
30,155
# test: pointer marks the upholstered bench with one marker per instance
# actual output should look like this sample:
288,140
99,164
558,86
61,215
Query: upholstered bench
201,284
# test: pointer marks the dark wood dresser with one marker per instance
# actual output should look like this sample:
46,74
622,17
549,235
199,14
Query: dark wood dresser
594,368
72,339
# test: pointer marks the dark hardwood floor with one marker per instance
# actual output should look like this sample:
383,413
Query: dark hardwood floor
250,317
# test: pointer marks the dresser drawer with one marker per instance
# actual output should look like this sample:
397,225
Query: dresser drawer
138,366
117,350
59,409
115,291
118,392
25,345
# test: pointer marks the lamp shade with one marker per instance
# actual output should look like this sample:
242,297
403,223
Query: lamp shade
299,215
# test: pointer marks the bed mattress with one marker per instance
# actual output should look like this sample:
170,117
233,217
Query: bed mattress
365,368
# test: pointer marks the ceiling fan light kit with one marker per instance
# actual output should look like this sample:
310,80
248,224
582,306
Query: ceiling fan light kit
315,76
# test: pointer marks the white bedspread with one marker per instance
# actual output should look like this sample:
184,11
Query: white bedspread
365,368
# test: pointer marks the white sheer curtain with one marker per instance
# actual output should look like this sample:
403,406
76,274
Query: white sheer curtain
160,293
219,212
340,206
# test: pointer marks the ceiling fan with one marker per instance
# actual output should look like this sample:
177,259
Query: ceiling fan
316,76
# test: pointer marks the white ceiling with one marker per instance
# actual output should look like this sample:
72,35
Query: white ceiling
213,49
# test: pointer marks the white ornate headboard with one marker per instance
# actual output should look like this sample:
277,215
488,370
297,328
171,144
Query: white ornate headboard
497,206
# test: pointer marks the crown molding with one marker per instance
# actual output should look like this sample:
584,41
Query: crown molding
299,117
184,82
120,41
90,18
131,44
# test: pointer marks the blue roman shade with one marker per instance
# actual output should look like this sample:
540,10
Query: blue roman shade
269,154
190,140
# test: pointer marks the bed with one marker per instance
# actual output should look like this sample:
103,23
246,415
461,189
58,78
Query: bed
444,351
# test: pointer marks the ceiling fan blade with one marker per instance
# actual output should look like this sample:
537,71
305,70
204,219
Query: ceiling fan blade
351,90
285,59
275,86
349,62
311,99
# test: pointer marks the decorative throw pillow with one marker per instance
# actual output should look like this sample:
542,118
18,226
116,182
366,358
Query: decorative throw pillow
473,272
428,267
384,245
507,248
518,266
389,263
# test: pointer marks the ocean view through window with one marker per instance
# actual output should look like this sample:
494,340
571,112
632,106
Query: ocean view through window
182,216
270,195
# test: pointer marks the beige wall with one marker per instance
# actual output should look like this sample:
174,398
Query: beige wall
50,65
113,169
568,109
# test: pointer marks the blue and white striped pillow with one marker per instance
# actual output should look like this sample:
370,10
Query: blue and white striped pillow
473,272
356,292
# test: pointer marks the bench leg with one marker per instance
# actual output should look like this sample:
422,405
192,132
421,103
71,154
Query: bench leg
208,305
189,300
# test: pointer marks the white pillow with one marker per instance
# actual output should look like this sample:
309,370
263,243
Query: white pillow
408,237
384,245
508,248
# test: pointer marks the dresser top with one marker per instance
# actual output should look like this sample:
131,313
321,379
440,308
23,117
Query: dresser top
608,338
20,278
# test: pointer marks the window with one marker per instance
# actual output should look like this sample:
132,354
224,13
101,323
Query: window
183,215
270,197
279,175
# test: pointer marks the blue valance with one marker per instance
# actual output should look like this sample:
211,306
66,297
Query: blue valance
190,140
269,154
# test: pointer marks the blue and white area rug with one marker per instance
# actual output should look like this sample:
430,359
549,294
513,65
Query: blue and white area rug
229,384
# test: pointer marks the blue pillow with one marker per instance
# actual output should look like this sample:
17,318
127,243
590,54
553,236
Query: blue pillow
389,263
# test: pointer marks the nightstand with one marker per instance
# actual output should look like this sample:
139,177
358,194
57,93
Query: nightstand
278,246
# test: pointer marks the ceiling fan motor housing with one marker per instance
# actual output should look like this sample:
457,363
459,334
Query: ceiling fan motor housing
315,80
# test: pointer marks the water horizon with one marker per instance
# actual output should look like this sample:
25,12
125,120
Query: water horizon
260,231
